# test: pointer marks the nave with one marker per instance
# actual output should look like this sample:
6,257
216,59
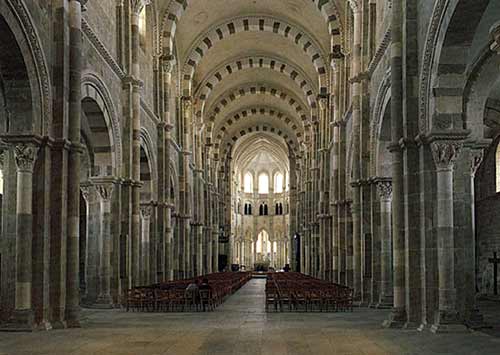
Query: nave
241,327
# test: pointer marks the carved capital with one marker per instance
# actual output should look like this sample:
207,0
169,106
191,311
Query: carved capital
137,5
25,157
476,158
86,190
445,152
105,190
495,35
384,188
146,211
355,5
167,63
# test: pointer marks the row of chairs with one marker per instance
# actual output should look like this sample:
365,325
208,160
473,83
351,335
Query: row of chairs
172,296
298,292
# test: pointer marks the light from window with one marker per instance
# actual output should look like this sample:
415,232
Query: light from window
142,26
248,183
263,245
263,183
278,183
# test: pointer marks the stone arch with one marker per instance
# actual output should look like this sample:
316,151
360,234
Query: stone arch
174,183
176,9
148,172
482,94
230,141
451,31
27,59
381,107
95,89
256,24
249,62
248,113
258,89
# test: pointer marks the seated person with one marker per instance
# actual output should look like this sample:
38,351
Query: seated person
204,285
286,268
193,290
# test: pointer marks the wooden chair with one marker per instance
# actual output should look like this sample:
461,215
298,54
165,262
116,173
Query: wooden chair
206,300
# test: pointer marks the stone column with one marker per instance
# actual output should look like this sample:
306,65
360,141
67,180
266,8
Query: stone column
92,245
136,8
356,144
473,317
23,315
445,152
72,310
146,210
86,191
348,243
375,257
385,194
104,188
397,317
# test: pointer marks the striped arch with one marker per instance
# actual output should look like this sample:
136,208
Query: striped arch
256,89
256,24
94,90
176,9
332,17
230,138
272,116
249,62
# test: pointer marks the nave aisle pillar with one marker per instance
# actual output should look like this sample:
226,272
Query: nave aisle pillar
384,186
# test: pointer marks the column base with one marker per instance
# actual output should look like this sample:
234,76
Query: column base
73,318
397,319
20,321
448,322
59,324
103,302
44,326
411,325
422,327
476,321
385,302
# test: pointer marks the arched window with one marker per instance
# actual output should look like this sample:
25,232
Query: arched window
278,183
263,183
263,245
248,183
498,168
142,28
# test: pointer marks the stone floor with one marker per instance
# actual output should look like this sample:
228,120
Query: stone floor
241,327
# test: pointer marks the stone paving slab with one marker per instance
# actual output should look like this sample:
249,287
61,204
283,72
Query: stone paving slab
242,327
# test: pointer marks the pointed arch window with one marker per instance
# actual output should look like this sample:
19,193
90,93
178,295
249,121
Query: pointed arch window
248,183
279,182
142,28
263,183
